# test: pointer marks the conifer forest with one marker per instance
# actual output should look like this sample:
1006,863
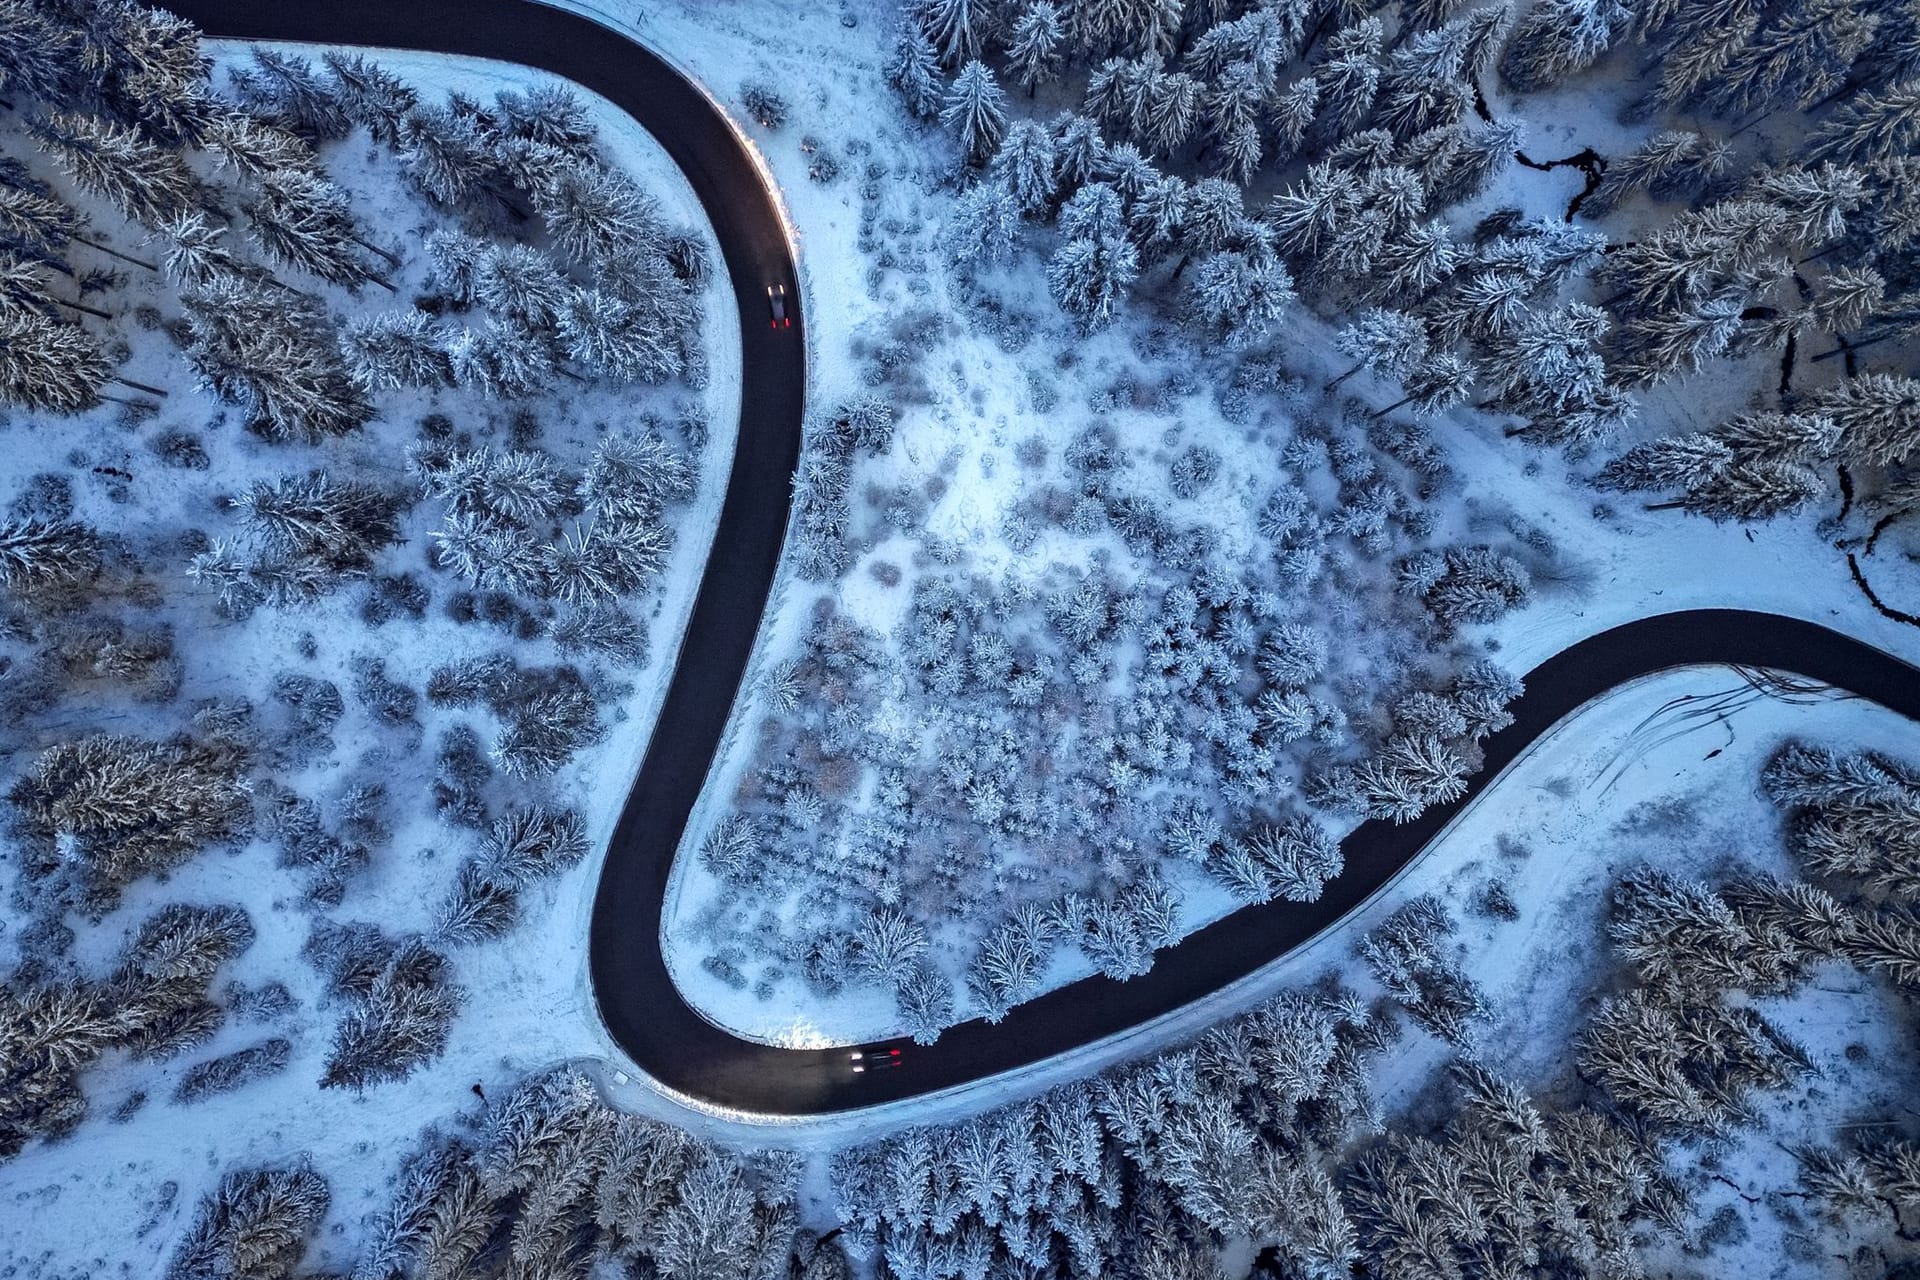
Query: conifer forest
960,640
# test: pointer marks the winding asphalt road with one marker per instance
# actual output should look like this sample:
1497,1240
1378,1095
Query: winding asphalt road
638,1000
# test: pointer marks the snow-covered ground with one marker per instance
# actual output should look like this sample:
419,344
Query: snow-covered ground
527,1000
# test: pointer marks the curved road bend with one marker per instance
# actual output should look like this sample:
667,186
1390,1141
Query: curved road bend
638,1000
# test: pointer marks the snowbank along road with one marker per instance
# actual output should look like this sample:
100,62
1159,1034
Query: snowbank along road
638,1000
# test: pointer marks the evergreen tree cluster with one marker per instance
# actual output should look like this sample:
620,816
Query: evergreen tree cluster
558,1183
400,1002
1142,1172
154,1004
522,847
302,538
960,803
552,262
822,504
1507,1187
546,714
97,813
1683,1052
517,521
1370,120
1765,464
1406,955
255,1223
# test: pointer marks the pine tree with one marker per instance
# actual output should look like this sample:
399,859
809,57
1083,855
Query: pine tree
1872,127
302,222
197,256
1801,54
924,998
975,107
615,338
1471,167
597,216
35,552
1240,299
253,148
1159,216
1308,215
500,359
1079,147
273,354
1093,212
889,941
1435,383
1757,490
401,1021
336,525
914,72
443,154
389,350
549,116
1087,277
1349,79
255,1224
1025,165
1672,462
706,1234
146,182
983,225
126,807
1036,46
1878,415
520,284
370,95
1172,113
1802,439
1673,162
1291,116
1559,37
1386,342
39,54
48,365
285,90
35,224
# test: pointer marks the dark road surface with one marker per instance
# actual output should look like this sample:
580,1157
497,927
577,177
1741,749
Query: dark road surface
642,1009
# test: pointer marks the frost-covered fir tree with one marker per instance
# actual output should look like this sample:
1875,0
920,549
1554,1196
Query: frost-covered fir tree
983,224
146,182
1025,165
1088,277
1239,298
49,365
1559,37
370,95
302,222
255,1223
975,109
389,350
1036,45
914,72
285,89
1382,341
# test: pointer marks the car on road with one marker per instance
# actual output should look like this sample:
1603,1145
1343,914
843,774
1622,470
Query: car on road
874,1059
777,303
